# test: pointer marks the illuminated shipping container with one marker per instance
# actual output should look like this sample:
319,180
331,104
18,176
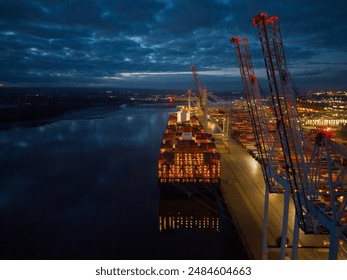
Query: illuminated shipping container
188,158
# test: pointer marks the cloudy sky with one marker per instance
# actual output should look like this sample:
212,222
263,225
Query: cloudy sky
153,43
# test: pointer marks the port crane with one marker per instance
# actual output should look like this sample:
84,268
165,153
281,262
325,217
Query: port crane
314,174
265,140
203,105
202,92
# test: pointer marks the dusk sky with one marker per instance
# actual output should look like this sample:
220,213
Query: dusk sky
152,44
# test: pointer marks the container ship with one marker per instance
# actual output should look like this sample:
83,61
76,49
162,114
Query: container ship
188,158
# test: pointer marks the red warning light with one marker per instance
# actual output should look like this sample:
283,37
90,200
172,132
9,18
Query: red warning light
328,133
171,100
324,133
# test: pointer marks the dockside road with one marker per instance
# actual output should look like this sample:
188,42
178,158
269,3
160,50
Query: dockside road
243,189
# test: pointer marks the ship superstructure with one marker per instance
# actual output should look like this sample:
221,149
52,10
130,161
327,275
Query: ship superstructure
188,156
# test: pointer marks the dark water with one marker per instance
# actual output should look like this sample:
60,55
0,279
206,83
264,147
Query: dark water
85,187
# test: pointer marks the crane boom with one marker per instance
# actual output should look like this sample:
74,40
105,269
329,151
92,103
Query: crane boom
285,110
202,95
264,140
303,174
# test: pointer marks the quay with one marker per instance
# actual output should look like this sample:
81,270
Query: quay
243,189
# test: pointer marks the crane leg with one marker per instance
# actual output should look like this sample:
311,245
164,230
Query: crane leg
295,238
334,243
285,223
266,213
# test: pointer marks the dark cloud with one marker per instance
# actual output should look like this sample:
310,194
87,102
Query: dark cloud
183,16
113,43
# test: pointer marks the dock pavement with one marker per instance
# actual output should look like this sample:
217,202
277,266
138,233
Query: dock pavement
243,189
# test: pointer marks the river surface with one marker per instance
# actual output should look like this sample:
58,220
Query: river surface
85,187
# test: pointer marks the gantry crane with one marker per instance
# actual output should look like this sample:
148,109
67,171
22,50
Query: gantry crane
304,174
264,138
310,180
202,92
202,102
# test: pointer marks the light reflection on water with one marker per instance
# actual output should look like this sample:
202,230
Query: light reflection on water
86,188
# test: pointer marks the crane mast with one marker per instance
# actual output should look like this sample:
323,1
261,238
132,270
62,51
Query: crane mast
303,174
287,120
202,96
266,141
256,108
